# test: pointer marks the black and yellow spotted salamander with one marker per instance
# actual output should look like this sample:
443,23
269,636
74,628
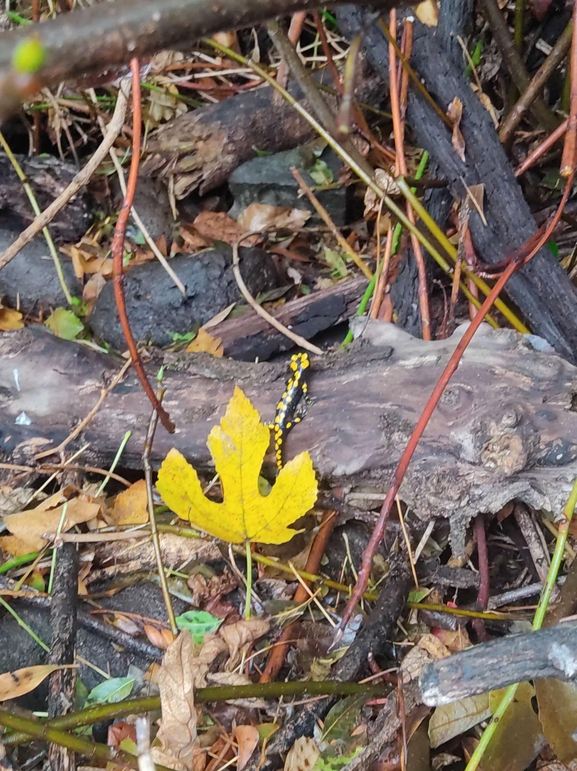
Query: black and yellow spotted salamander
289,410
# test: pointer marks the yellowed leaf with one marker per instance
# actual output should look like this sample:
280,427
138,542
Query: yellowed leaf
10,319
30,526
204,342
238,446
131,505
427,13
518,738
21,681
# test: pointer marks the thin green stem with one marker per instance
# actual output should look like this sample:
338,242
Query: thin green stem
248,599
117,457
24,625
36,209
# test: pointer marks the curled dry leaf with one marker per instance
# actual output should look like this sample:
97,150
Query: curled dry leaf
303,755
455,113
235,678
203,661
261,216
387,183
177,733
241,635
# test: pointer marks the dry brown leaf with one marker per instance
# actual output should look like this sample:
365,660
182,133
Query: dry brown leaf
240,636
260,216
92,289
246,736
202,590
429,648
303,755
218,226
455,113
21,681
202,662
156,637
206,343
30,526
177,733
131,505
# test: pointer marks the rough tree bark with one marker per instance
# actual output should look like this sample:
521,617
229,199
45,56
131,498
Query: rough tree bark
506,427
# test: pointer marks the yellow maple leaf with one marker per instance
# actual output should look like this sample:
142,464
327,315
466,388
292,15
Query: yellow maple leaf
238,446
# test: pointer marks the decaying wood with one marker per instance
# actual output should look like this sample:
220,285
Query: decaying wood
496,664
542,289
506,427
250,336
201,149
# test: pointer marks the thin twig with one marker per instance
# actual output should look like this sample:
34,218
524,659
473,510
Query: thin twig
514,62
398,131
326,218
297,339
80,180
538,81
278,654
570,147
135,215
539,151
118,250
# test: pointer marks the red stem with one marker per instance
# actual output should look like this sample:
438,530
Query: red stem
118,251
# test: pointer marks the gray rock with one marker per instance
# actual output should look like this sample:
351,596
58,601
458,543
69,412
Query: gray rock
30,278
156,307
268,179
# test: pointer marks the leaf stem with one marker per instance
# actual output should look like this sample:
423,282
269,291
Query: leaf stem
248,579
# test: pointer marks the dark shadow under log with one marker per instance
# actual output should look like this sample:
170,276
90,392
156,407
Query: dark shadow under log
506,426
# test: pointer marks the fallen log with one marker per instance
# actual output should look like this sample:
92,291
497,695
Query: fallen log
505,429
